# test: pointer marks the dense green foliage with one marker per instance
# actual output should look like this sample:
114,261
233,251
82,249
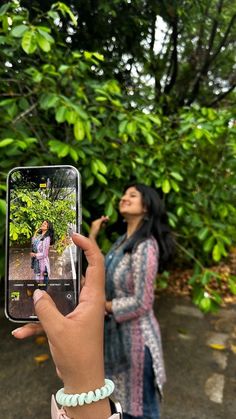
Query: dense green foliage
30,208
173,52
59,107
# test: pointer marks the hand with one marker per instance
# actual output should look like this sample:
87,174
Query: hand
96,226
76,341
32,254
108,307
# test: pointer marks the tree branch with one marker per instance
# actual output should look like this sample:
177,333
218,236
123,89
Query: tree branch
222,95
224,39
214,28
23,114
174,57
208,59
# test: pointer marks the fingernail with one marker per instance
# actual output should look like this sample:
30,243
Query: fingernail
37,295
15,331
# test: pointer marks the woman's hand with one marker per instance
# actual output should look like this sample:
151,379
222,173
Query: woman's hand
108,307
76,341
96,226
32,254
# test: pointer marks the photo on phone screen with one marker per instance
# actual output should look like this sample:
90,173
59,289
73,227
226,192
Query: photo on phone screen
44,205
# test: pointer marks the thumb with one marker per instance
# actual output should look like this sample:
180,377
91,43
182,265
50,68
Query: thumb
47,312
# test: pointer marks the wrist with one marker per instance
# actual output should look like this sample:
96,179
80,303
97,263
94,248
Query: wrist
92,236
89,372
100,409
113,411
90,404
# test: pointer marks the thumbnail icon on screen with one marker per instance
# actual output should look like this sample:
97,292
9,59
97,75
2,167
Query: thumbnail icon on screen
15,296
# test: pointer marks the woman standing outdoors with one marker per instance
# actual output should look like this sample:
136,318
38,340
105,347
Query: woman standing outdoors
133,350
41,241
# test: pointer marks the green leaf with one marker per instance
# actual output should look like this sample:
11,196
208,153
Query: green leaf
122,126
73,154
60,114
101,98
166,186
101,178
177,176
6,102
99,57
94,167
64,9
232,286
35,74
180,211
43,43
6,142
4,8
174,185
79,131
87,125
45,35
3,40
102,198
109,209
48,100
208,245
205,304
202,234
155,119
64,151
18,31
149,138
101,166
3,207
131,127
53,15
55,146
28,42
71,116
216,253
63,68
206,277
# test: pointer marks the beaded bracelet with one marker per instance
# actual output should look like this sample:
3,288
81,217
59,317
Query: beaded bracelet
72,400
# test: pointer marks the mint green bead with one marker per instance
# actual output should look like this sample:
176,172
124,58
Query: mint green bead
96,395
69,400
74,400
81,399
89,397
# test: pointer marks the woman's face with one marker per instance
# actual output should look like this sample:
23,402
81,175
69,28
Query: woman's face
44,226
131,203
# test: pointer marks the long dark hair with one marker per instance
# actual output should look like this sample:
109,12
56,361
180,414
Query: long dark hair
155,223
49,232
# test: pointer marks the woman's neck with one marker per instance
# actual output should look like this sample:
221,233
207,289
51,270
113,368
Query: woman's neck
133,225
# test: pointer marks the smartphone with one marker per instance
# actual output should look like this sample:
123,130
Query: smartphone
43,209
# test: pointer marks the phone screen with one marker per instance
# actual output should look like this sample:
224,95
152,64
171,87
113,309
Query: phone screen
43,210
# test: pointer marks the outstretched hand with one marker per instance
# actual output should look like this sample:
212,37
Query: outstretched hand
97,225
76,341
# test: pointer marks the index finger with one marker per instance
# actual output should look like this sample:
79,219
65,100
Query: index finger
95,273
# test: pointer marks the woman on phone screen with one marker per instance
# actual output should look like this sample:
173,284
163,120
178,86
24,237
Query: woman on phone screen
133,350
41,241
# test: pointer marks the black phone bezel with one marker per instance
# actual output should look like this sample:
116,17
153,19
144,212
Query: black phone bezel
41,171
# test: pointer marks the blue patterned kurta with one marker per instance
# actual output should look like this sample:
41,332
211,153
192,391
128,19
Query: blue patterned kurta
130,280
